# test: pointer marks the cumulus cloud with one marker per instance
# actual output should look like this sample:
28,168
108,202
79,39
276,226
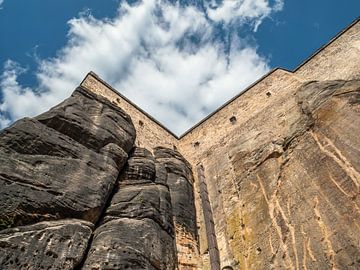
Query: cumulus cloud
161,56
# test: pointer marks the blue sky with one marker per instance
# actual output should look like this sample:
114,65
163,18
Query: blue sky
178,61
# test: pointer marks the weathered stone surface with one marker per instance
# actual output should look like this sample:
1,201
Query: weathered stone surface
91,120
180,181
137,230
125,243
57,170
46,245
285,194
176,172
140,166
143,201
312,189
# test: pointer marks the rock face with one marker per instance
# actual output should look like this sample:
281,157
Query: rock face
92,121
176,172
62,164
284,183
45,245
312,200
310,184
65,162
137,229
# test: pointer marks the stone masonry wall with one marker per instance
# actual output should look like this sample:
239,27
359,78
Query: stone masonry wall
262,114
149,134
254,228
263,119
338,60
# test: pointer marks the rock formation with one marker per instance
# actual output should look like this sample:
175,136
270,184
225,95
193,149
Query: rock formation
61,167
298,195
177,173
57,244
271,180
137,230
46,161
104,209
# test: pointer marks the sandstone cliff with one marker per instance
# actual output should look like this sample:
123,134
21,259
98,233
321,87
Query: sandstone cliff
76,193
288,198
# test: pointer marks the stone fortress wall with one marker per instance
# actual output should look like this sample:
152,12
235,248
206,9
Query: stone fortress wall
251,151
270,180
149,132
249,129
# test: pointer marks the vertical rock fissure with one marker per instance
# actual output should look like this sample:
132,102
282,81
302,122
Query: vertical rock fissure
86,252
209,221
99,221
176,172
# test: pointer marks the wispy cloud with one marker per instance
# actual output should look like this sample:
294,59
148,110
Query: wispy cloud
250,11
1,2
163,57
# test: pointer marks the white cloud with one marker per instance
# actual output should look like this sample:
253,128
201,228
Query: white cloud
1,2
149,53
253,11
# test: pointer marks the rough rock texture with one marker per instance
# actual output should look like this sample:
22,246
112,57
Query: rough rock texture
64,163
92,121
46,245
137,229
284,182
176,172
310,184
311,188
